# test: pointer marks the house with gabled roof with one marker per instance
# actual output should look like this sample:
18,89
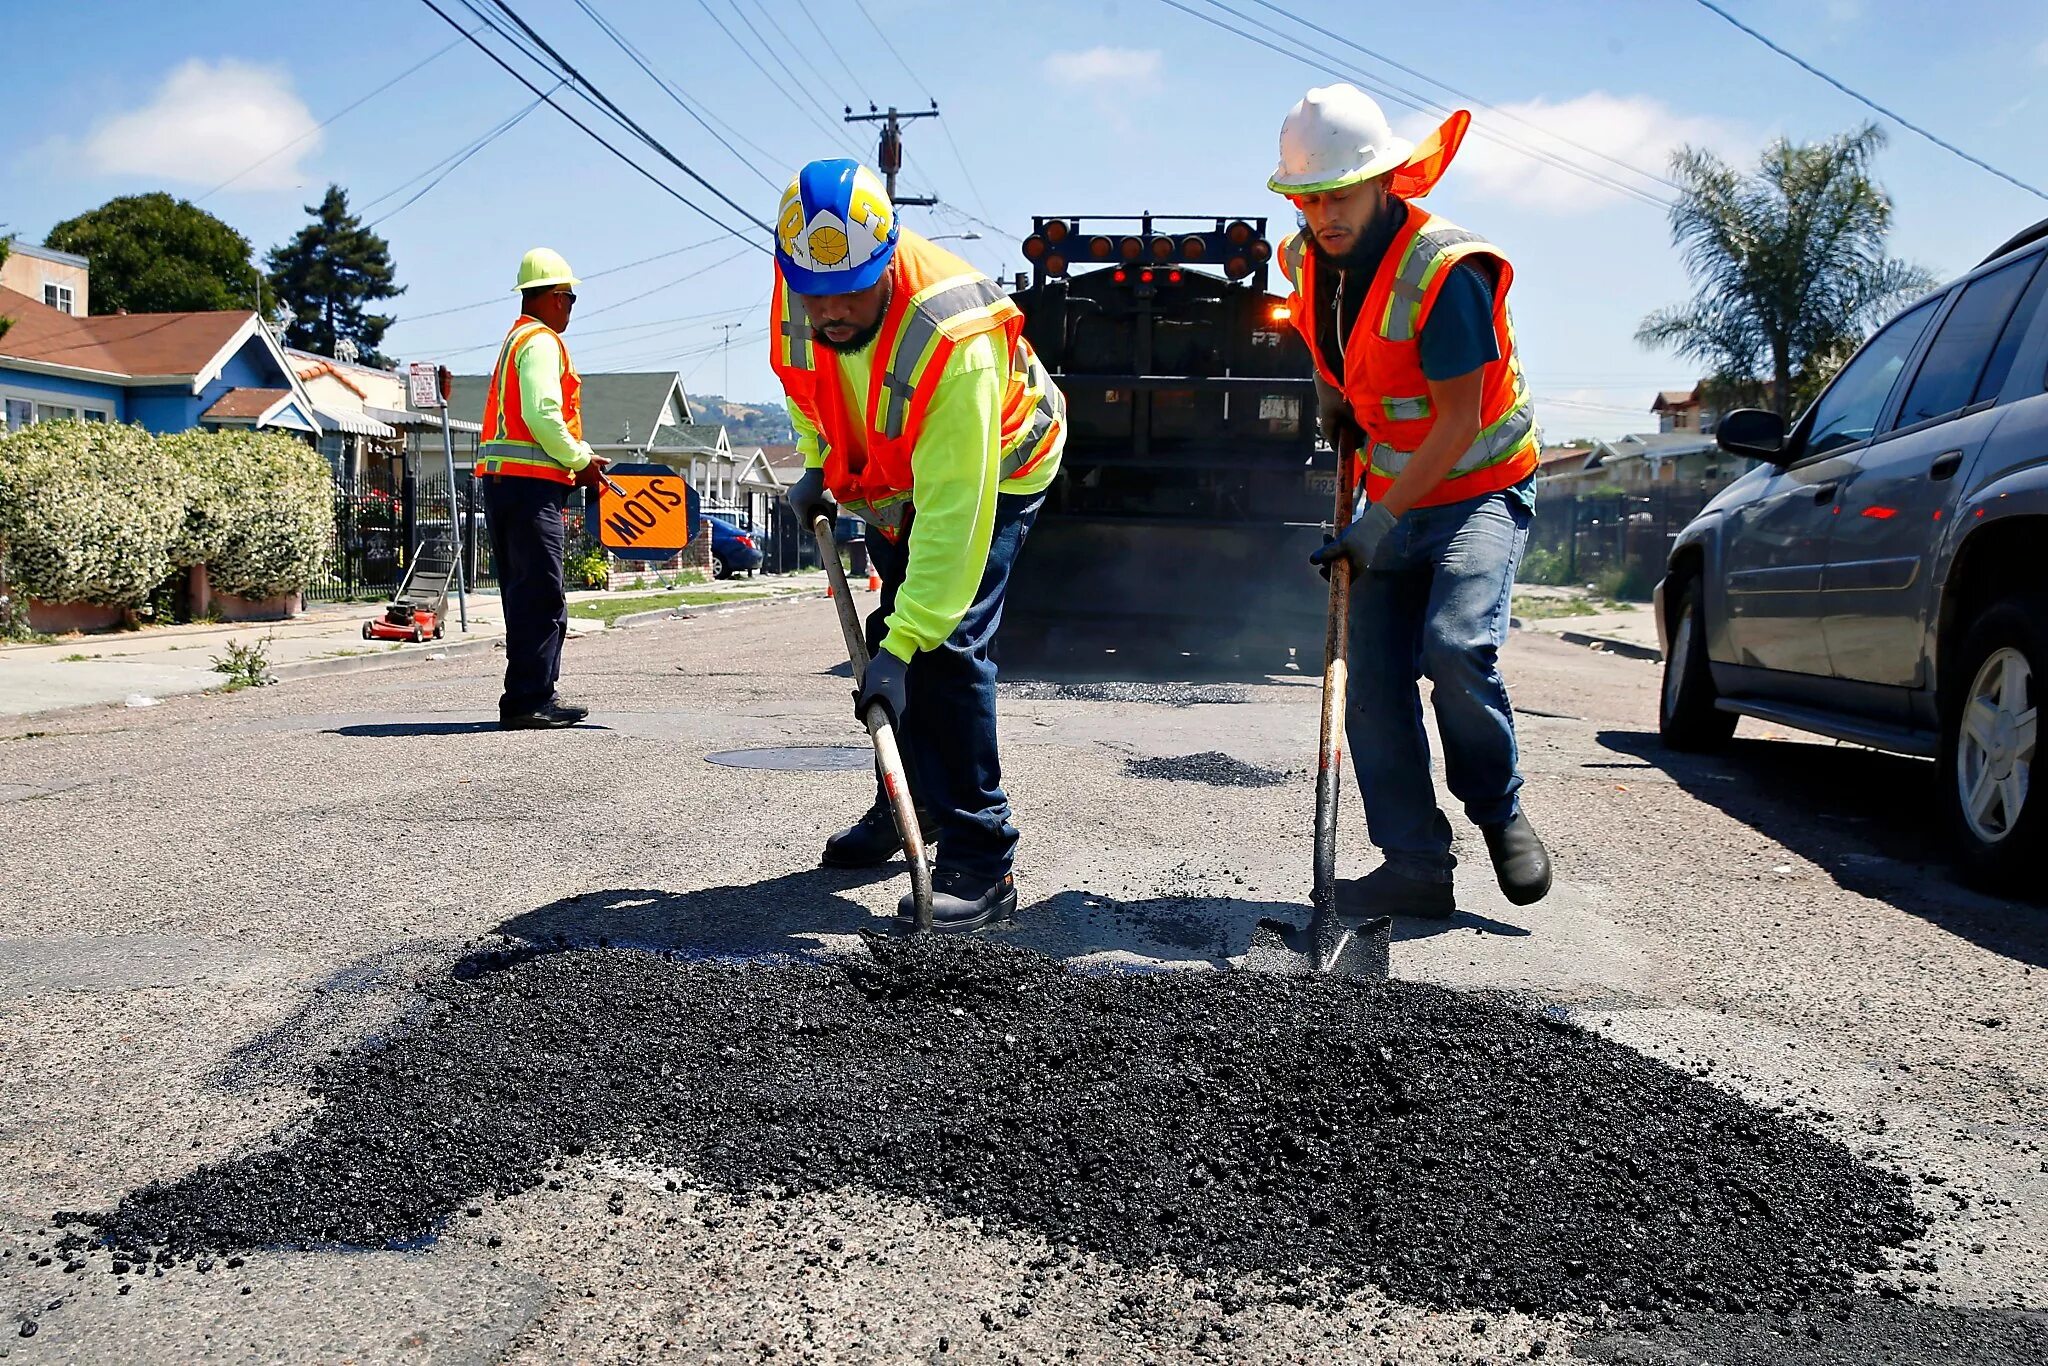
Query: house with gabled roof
168,372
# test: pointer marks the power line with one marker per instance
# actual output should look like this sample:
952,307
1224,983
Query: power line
670,89
1420,103
625,120
908,70
830,132
776,58
1866,101
796,51
498,300
833,48
271,156
476,146
592,133
1460,94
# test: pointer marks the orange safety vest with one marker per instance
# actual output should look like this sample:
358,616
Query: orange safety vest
507,446
936,302
1383,380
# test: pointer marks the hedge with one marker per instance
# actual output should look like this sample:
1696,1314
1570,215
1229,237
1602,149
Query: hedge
259,512
95,512
88,512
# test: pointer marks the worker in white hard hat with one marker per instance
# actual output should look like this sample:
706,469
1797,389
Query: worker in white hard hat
531,455
1406,317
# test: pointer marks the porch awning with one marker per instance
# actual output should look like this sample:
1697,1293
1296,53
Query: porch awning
352,422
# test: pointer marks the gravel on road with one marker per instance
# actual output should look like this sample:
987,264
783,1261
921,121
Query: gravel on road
1451,1149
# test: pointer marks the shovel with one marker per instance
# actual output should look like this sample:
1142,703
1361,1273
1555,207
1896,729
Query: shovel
882,731
1327,944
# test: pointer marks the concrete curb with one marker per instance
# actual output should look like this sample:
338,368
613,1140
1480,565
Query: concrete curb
353,664
1627,649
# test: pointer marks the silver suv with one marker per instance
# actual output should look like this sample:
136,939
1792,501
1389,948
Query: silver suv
1883,577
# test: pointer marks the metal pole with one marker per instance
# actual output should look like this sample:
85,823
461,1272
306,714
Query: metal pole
455,536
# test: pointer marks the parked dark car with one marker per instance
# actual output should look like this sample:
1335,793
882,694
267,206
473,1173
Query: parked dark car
1879,579
733,551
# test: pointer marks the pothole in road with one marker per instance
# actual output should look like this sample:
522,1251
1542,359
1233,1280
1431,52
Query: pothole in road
1153,694
1450,1149
1210,766
798,758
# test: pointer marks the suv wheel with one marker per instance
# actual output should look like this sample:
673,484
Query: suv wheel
1995,815
1687,719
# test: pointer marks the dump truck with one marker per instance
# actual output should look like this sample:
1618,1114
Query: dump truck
1193,487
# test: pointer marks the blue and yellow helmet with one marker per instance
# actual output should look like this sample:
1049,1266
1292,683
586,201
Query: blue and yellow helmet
836,229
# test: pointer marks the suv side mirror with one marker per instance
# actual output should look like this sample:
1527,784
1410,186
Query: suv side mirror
1753,432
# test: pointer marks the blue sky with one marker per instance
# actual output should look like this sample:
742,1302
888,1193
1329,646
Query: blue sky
1104,106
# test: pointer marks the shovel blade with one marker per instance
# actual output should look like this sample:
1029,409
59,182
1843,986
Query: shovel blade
1327,946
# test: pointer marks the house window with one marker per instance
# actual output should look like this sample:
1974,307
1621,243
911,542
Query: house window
95,415
20,412
52,412
57,297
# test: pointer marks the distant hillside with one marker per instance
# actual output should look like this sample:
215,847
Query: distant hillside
746,424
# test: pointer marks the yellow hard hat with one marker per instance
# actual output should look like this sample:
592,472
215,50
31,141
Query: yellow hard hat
543,267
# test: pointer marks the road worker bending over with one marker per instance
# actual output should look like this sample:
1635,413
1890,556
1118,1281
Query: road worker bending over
1406,316
920,409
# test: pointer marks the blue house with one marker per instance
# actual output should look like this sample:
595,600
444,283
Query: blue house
170,372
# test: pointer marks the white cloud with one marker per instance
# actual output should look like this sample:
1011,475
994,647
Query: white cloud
209,121
1634,129
1125,67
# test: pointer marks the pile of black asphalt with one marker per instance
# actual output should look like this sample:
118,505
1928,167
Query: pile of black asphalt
1211,766
1151,694
1453,1150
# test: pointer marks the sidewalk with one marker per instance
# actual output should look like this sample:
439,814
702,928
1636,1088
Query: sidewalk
1573,615
139,667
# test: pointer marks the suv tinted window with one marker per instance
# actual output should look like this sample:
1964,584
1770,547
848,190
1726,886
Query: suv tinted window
1958,356
2008,347
1847,413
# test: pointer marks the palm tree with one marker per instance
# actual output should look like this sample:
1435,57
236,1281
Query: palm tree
1788,266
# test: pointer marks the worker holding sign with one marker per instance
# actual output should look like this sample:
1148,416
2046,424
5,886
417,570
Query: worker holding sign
531,455
921,409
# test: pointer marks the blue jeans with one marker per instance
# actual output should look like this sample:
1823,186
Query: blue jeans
949,717
1435,603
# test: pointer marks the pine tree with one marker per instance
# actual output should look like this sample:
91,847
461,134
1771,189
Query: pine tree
325,275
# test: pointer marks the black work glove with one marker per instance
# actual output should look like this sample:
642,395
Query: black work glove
1360,541
809,500
885,682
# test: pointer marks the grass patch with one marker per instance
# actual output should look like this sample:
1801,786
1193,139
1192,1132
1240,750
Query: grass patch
609,610
74,659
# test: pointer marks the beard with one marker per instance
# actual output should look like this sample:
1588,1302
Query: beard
854,343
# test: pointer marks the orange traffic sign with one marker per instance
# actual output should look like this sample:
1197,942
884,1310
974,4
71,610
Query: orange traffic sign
655,510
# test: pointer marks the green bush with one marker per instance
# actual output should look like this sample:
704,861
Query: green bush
259,512
1625,582
584,567
1543,567
88,512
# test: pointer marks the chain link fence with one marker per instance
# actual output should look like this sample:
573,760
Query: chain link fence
1616,543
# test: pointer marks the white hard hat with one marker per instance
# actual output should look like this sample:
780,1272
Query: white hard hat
1335,137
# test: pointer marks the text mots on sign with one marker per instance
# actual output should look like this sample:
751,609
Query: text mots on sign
656,516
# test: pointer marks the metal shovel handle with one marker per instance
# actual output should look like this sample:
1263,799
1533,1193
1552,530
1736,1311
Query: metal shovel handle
1336,640
881,731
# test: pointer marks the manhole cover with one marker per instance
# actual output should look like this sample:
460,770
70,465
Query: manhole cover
800,758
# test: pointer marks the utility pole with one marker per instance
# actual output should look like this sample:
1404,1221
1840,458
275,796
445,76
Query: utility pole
728,329
889,150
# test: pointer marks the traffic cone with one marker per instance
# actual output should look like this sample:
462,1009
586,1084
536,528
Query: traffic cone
874,581
828,587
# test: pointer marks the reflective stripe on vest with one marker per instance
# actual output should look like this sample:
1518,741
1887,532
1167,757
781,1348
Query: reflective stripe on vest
891,514
1501,441
1406,409
1428,252
507,446
956,304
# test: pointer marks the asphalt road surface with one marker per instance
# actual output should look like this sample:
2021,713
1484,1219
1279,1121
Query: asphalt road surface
244,937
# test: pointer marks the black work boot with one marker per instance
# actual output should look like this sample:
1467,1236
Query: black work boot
961,901
1384,891
869,842
553,716
1520,861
